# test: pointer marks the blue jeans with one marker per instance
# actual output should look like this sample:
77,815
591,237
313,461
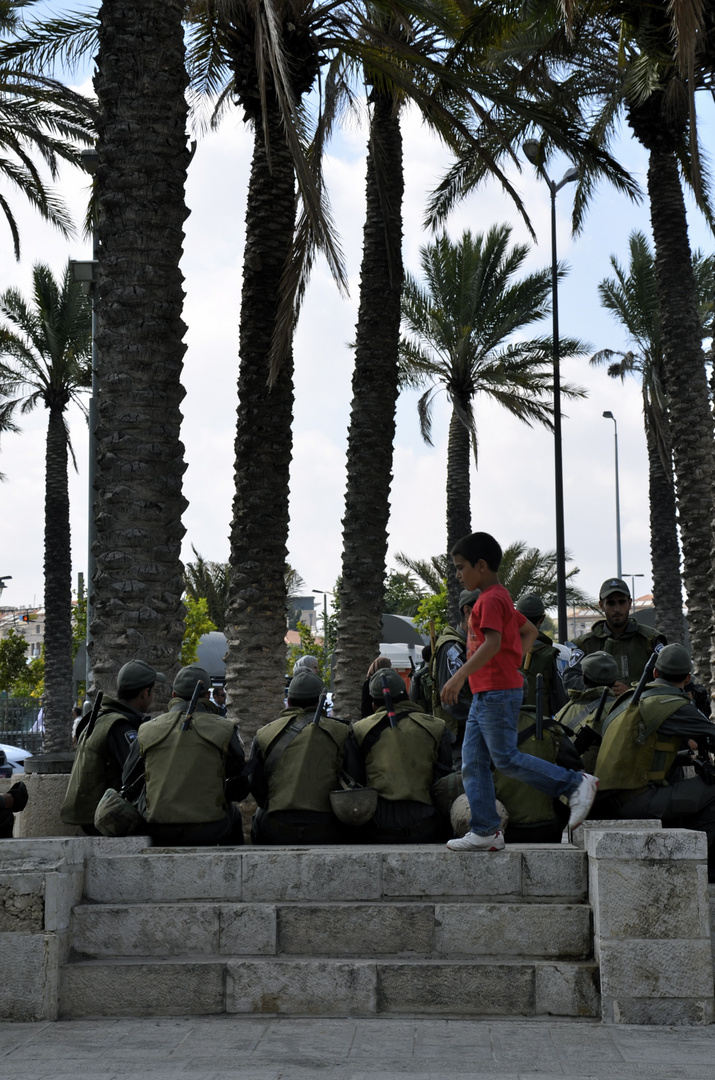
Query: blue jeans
491,734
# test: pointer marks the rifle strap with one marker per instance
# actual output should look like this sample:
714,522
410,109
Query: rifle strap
531,730
281,744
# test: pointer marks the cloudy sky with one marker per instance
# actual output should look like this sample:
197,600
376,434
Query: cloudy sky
512,491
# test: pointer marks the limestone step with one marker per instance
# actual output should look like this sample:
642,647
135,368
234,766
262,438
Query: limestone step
339,929
329,987
531,874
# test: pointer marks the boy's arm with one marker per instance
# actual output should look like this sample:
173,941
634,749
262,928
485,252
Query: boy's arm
481,656
528,634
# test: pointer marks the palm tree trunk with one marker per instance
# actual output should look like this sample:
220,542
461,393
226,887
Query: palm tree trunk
57,698
664,546
143,157
372,419
256,616
691,423
459,516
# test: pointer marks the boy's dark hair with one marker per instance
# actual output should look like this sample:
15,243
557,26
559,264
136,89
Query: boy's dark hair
479,545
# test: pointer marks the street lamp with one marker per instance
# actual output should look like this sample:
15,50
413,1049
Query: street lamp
633,585
86,273
325,593
609,416
532,151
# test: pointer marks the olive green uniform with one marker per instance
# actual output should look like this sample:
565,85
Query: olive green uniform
636,764
541,660
294,766
99,760
191,776
402,764
534,816
631,651
579,714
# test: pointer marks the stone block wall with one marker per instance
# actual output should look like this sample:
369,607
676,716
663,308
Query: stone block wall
41,881
648,890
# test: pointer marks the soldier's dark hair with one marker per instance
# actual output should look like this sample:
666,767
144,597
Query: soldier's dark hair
479,545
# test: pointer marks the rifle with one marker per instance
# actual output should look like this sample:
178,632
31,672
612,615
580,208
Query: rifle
93,716
539,706
587,737
319,707
192,705
388,702
645,677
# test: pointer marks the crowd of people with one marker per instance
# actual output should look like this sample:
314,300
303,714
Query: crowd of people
489,714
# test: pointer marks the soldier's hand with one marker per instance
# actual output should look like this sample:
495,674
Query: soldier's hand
18,792
620,687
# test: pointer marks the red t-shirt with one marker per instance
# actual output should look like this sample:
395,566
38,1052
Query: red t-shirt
494,610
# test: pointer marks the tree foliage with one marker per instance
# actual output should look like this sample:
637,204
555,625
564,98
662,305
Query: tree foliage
309,645
196,624
13,654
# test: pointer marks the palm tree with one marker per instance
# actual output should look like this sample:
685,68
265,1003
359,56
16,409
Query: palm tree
647,61
460,325
41,119
45,347
142,160
632,298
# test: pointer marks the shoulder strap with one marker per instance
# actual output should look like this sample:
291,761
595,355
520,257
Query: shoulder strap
281,744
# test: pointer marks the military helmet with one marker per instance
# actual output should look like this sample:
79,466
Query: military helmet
354,806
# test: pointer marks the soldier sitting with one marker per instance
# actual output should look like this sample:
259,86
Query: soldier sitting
192,767
640,757
104,746
533,816
401,756
583,716
295,764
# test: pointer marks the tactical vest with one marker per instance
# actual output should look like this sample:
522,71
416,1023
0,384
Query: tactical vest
307,769
400,764
633,754
525,804
631,651
581,707
539,661
449,634
184,770
93,771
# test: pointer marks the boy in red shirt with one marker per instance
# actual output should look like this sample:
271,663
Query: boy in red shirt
498,638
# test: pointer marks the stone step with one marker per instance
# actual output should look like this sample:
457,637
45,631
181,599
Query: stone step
329,987
279,875
428,929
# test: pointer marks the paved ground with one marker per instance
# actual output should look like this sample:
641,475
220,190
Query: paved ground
230,1048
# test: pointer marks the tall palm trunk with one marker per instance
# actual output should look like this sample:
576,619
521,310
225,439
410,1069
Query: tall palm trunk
459,517
372,419
143,157
664,546
691,423
57,700
256,616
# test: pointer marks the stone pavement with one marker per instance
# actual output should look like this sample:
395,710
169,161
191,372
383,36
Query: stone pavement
231,1048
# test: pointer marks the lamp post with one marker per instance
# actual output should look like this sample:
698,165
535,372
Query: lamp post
325,593
86,273
532,151
619,572
633,585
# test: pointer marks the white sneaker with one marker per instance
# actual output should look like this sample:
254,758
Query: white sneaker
473,842
581,800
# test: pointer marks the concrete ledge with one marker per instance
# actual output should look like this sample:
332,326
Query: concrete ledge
513,930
